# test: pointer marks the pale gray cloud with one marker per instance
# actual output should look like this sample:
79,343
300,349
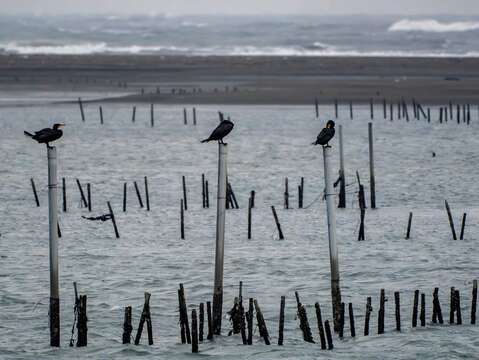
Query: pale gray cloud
466,7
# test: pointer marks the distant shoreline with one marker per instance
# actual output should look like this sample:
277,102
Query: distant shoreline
245,80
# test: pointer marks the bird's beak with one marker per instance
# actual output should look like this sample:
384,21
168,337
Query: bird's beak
61,125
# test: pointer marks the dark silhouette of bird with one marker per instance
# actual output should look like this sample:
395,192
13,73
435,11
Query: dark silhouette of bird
223,129
47,135
326,134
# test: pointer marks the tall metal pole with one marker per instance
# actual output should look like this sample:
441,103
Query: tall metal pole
372,181
333,250
342,184
220,239
53,221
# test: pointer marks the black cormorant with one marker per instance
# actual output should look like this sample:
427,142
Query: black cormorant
326,134
47,135
223,129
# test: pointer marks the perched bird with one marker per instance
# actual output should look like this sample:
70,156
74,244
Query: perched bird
326,134
47,135
223,129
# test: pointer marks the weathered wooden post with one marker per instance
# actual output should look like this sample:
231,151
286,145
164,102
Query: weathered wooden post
336,108
397,310
281,319
117,235
64,191
54,312
82,339
451,221
182,219
474,302
316,106
183,180
414,309
278,225
138,194
458,307
185,117
328,335
385,112
437,312
133,115
352,328
220,238
209,336
463,224
381,314
80,103
320,326
422,315
372,181
147,195
35,192
371,107
408,232
145,317
342,183
194,332
127,327
351,116
391,114
286,194
152,115
369,308
88,195
250,203
263,330
124,197
249,318
194,116
82,194
333,250
101,115
452,306
202,322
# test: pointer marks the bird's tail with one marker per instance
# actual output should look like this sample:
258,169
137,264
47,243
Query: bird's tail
205,140
27,134
314,143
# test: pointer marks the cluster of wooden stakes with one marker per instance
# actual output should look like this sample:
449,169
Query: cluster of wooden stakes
242,320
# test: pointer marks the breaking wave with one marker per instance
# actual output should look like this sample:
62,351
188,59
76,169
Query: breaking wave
316,49
431,25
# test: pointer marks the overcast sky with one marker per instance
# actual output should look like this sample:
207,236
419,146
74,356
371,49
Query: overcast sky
421,7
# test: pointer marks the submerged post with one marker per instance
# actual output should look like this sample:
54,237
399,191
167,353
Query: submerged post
342,183
333,250
372,182
53,223
220,239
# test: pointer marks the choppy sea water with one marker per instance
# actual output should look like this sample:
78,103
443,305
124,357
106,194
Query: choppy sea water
168,34
268,144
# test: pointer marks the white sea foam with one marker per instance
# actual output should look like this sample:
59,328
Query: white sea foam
85,49
431,25
243,50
